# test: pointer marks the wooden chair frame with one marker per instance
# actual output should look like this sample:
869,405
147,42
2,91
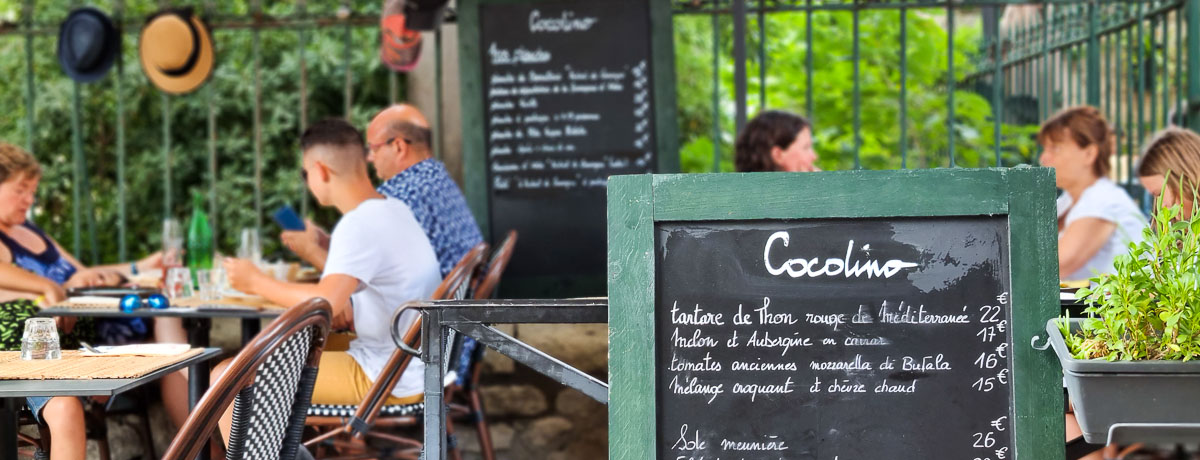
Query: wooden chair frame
202,422
350,434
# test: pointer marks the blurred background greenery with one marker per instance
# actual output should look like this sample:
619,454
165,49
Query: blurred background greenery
231,91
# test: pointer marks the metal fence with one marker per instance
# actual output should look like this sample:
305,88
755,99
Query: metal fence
34,30
1128,58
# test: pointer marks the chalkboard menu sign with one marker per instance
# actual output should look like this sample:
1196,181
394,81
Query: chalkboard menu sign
892,333
845,330
568,97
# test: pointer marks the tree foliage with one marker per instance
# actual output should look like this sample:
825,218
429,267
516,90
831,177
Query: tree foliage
786,49
231,92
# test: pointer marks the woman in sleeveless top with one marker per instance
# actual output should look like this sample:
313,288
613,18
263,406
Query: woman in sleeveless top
33,265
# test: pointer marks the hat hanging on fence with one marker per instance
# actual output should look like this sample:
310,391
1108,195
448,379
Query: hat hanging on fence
176,51
88,44
401,46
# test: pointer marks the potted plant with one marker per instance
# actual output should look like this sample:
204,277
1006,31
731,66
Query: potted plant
1136,358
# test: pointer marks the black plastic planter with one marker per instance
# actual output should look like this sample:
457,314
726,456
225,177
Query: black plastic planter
1151,394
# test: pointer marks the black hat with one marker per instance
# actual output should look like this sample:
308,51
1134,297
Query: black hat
88,44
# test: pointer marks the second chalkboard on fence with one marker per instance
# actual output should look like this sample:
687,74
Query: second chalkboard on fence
568,94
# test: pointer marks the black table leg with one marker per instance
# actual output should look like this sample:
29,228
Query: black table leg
250,328
8,426
197,331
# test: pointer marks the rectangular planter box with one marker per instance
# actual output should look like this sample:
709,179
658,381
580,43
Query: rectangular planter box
1106,393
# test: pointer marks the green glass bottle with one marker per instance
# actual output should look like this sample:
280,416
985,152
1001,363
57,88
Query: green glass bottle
199,237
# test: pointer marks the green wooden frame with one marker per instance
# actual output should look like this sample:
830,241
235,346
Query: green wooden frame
475,183
637,203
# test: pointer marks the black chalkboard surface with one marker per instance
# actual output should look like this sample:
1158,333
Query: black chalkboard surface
568,98
850,315
824,339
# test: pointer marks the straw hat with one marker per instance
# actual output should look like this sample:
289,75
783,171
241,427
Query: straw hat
88,44
176,51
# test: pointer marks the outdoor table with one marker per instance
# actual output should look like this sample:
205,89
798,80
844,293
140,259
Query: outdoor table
14,392
471,318
197,321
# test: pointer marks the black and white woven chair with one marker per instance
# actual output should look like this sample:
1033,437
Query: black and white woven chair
343,431
269,384
464,401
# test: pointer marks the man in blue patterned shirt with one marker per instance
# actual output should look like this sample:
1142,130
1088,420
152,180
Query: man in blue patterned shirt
399,145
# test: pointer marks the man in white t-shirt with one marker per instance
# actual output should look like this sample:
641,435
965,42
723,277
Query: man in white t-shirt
379,258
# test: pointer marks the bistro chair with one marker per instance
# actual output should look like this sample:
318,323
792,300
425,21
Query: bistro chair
269,384
345,430
467,385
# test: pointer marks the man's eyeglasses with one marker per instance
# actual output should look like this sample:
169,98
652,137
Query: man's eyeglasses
374,147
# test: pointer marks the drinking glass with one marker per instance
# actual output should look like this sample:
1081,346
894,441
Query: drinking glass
250,249
40,340
206,281
172,240
178,284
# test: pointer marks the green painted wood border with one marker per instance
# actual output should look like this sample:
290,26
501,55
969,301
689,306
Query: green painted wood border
631,408
637,203
470,80
1037,377
475,181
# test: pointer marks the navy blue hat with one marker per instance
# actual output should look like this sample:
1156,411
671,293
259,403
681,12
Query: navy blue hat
88,44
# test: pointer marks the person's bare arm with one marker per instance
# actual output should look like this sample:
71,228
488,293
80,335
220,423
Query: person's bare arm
150,262
13,278
311,244
245,277
84,276
1080,241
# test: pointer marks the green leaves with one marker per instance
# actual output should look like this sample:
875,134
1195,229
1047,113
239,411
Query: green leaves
927,128
231,90
1148,308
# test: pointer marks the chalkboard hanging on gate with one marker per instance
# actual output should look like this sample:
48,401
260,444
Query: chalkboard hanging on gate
557,96
838,316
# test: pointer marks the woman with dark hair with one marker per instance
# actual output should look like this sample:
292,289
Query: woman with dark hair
775,141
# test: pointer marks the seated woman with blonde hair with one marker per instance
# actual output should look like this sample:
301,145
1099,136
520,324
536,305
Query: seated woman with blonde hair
1096,218
1172,156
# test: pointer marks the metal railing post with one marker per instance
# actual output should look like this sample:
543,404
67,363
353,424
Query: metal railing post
1093,55
739,64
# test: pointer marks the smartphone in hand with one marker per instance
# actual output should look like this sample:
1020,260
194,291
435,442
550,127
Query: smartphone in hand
287,218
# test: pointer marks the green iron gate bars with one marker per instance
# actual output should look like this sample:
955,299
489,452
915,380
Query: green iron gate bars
891,103
129,146
1127,58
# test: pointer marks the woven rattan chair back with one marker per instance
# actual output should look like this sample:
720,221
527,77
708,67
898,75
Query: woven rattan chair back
270,384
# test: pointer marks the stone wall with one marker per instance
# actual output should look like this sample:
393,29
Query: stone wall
532,416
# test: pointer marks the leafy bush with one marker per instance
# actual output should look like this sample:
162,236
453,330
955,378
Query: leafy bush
1150,307
231,92
927,137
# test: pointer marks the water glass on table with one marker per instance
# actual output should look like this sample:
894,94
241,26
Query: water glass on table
250,248
178,284
172,240
207,282
40,340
